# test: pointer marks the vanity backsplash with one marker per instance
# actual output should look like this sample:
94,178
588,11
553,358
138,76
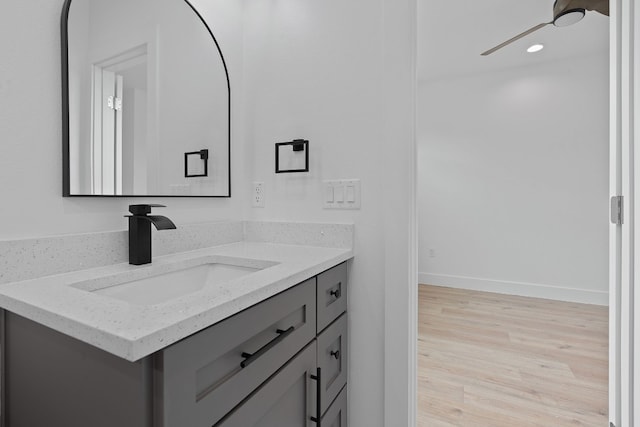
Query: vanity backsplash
300,233
32,258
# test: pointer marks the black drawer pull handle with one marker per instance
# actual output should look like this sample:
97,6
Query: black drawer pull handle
317,377
336,293
335,354
249,358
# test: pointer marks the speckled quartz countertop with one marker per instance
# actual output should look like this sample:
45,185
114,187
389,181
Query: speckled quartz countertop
65,303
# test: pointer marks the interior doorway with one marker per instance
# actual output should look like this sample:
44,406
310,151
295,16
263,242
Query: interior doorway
119,123
513,184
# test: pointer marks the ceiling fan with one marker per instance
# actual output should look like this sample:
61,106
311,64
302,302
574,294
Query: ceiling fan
565,13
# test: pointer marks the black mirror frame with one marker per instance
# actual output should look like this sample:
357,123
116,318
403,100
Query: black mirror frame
66,179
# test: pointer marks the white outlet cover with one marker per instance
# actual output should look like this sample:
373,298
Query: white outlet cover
258,195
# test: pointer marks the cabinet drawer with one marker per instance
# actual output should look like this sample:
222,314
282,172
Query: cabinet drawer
336,415
286,400
206,375
332,295
332,359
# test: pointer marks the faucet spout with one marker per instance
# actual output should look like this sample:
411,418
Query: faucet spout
161,222
140,232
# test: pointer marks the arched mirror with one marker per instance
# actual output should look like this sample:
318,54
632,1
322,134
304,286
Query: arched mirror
146,101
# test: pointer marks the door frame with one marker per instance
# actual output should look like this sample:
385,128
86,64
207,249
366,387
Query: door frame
635,113
114,64
615,231
624,327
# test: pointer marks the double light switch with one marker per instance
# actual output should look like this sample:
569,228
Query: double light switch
342,194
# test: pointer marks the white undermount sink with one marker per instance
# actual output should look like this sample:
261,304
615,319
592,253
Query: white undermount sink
164,287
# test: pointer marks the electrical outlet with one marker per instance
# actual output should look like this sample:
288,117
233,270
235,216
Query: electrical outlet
432,253
258,195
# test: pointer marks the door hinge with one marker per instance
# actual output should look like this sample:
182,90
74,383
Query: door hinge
114,103
617,205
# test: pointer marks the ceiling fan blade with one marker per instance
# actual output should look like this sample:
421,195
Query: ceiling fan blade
601,6
518,37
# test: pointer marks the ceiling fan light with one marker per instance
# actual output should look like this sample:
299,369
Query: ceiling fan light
569,17
535,48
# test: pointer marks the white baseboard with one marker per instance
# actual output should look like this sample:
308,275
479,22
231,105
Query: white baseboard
517,288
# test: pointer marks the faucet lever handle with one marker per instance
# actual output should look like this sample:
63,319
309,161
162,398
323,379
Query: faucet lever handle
143,209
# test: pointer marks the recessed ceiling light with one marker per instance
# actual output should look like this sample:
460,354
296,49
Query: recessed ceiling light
535,48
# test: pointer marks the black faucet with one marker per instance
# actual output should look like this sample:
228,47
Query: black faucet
140,231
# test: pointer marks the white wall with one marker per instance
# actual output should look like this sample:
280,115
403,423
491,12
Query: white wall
339,73
30,125
513,180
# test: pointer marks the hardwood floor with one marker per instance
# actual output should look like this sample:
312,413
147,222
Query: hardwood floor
489,360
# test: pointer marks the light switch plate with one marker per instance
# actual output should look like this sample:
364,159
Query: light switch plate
350,193
341,194
328,194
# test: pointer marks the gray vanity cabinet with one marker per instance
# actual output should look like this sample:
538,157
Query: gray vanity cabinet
53,380
288,399
267,366
336,416
332,360
331,295
205,376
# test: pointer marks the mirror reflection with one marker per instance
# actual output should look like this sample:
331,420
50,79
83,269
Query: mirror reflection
146,84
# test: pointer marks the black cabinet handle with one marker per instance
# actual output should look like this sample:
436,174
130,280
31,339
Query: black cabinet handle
335,354
336,293
249,358
317,377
